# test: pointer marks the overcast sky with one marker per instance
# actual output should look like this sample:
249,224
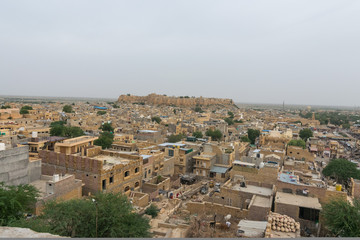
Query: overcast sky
303,51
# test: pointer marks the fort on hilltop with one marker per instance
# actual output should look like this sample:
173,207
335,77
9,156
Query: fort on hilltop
155,99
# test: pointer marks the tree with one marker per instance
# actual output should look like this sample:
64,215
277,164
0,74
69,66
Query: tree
229,121
5,106
15,201
341,170
25,109
198,109
245,139
215,135
109,215
253,134
231,114
115,106
156,119
298,143
175,138
197,134
57,123
346,125
238,121
107,127
101,112
153,211
57,130
105,140
305,134
342,218
67,109
72,132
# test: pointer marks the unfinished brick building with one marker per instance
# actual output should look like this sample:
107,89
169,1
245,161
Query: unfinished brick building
99,170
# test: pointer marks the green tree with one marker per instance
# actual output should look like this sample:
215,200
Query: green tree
153,211
5,106
197,134
229,121
245,139
198,109
305,134
67,109
107,127
346,125
215,135
25,109
175,138
57,123
298,143
238,121
342,218
110,215
231,114
72,132
253,134
156,119
15,201
115,106
57,130
105,140
101,112
341,170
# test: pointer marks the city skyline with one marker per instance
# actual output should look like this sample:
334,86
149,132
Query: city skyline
303,52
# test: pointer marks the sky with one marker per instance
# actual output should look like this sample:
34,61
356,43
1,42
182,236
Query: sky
253,51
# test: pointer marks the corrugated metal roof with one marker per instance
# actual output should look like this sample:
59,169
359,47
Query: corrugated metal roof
217,169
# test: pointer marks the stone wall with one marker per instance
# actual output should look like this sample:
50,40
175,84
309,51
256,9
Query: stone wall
264,175
323,194
214,208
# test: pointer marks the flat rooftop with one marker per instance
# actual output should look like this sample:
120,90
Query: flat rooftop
253,189
74,141
111,160
297,200
261,201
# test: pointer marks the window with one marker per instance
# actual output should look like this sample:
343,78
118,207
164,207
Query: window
127,173
309,214
223,175
104,184
136,170
111,179
149,171
137,184
171,152
127,188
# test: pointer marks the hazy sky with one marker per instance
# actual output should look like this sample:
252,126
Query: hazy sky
303,51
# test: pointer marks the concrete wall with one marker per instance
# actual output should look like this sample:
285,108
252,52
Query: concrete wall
34,171
14,166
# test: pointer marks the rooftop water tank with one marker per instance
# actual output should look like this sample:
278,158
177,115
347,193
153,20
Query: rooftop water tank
34,134
2,146
56,177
